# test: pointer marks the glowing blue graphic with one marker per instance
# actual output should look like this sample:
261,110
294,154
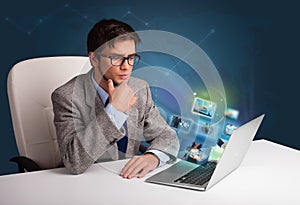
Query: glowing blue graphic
174,92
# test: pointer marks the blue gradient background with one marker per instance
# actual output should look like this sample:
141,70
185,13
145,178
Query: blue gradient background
254,45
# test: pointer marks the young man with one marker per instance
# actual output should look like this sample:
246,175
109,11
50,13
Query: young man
102,115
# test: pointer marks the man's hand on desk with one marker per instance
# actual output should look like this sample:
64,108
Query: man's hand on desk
139,166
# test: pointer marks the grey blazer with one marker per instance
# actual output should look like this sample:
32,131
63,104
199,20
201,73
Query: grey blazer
86,134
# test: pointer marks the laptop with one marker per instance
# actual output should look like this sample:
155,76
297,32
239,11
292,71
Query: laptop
189,175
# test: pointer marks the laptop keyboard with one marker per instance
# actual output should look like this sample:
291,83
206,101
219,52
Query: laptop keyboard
199,175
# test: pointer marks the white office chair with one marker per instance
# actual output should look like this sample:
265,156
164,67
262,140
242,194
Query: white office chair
30,84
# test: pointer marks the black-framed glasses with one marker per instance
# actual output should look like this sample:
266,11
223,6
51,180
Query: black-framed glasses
117,60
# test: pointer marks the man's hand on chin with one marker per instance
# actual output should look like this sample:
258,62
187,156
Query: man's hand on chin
139,166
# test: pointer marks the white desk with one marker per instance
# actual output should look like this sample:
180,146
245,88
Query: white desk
269,174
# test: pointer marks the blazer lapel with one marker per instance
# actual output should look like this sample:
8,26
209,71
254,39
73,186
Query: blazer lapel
95,104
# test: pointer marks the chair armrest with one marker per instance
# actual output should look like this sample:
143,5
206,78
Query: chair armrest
25,164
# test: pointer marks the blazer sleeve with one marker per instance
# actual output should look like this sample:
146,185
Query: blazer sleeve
157,132
82,137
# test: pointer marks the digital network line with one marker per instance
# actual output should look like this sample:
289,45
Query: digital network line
68,7
61,9
190,51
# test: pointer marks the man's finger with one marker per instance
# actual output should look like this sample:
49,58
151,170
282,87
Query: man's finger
128,165
133,101
138,168
111,87
144,172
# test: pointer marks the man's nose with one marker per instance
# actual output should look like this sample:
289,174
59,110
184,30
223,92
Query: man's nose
125,64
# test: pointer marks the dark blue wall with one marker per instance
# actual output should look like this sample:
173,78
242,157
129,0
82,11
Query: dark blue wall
254,45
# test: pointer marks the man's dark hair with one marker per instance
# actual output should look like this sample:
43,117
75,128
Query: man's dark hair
108,29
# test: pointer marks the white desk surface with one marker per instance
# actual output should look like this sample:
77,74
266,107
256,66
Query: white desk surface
269,174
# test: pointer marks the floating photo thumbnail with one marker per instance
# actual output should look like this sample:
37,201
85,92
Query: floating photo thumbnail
231,113
204,107
229,129
178,122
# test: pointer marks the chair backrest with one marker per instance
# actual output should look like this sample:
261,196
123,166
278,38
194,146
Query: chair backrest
30,84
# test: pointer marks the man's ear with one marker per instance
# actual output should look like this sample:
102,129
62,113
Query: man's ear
93,59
